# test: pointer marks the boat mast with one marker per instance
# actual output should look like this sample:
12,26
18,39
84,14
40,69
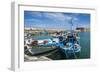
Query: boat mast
71,22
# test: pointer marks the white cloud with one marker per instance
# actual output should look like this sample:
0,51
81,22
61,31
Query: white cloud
55,16
60,17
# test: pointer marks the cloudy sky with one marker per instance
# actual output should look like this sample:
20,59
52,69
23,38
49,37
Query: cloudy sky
55,20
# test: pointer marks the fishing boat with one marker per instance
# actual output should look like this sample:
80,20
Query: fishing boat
70,47
40,47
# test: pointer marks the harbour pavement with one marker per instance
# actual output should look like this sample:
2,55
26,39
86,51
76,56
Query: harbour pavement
35,58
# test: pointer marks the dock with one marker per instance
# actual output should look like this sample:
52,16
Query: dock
36,58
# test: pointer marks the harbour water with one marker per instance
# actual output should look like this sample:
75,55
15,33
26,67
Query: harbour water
85,44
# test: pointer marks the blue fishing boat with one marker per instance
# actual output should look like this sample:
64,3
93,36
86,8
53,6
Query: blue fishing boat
70,46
